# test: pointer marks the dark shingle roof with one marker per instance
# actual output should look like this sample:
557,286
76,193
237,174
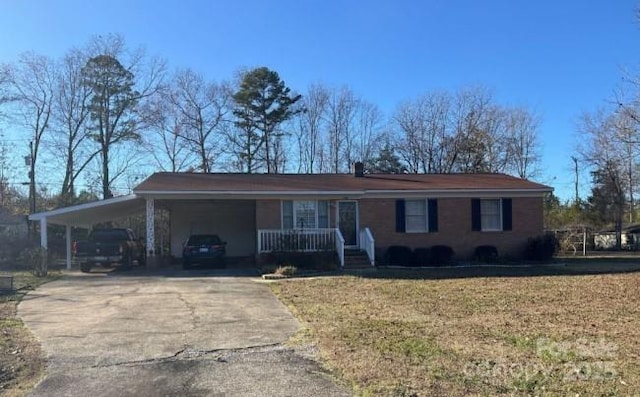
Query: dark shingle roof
298,183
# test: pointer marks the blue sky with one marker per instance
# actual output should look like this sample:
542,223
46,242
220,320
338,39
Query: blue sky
559,58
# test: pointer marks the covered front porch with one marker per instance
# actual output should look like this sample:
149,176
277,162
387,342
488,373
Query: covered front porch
314,240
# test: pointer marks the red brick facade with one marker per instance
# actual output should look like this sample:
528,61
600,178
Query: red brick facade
454,225
268,214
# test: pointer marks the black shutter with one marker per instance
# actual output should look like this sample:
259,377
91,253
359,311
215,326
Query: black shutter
507,214
400,221
433,215
476,219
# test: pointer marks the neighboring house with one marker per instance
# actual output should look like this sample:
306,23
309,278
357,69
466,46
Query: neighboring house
629,238
258,213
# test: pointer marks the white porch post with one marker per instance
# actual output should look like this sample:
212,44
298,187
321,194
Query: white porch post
68,243
43,232
151,237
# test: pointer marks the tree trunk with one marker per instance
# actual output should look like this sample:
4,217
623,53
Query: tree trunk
106,191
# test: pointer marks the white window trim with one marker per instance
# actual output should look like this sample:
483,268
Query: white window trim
482,226
295,219
426,216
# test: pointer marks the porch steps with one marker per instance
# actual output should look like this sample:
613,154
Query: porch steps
356,259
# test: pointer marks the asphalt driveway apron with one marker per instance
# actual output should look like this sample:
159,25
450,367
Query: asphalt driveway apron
180,334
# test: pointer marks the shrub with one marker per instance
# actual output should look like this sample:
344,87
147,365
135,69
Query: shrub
37,258
286,270
441,254
324,261
327,265
421,257
398,255
541,248
486,253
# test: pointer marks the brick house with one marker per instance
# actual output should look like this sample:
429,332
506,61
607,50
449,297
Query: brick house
258,213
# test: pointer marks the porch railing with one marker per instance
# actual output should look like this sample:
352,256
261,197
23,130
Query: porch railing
301,240
340,247
368,244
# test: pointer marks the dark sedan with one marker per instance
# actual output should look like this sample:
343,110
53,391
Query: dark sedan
203,249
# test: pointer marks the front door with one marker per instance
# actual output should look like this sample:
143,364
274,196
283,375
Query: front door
348,222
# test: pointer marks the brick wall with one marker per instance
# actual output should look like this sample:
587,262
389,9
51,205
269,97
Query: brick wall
454,226
268,214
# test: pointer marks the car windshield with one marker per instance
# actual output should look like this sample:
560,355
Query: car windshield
209,239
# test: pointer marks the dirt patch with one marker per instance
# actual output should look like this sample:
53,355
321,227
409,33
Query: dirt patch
21,359
524,335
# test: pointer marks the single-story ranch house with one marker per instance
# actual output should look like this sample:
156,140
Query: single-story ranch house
259,213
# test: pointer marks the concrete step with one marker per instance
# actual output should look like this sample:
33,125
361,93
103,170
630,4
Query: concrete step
356,259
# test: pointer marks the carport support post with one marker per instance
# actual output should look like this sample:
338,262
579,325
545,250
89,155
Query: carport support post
43,232
151,237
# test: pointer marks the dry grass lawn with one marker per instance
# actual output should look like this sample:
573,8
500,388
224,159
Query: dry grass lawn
545,335
21,360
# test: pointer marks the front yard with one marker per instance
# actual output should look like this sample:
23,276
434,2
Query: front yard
21,360
431,336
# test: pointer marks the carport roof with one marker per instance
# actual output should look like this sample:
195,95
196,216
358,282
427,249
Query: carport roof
85,215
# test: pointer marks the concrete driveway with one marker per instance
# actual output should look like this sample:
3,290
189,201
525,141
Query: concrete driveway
172,334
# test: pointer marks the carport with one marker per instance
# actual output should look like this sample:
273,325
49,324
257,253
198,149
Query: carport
86,215
189,215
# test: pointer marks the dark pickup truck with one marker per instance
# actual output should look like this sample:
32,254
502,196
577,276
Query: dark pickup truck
110,246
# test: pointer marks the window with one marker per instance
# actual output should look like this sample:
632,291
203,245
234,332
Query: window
323,214
491,215
417,216
287,214
305,214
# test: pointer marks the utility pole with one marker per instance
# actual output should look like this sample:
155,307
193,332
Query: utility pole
30,162
575,162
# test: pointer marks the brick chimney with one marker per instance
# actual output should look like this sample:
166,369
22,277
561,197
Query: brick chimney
358,169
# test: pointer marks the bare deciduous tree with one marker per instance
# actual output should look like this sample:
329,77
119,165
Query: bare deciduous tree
466,132
310,129
32,83
5,86
71,116
523,154
471,134
368,134
202,108
165,141
423,125
341,112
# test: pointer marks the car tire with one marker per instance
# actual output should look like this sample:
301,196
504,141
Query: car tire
127,262
85,268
